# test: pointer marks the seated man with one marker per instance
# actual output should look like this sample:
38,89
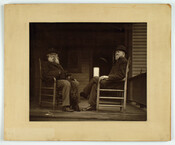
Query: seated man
117,73
52,68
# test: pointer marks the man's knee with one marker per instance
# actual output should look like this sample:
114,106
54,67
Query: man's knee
94,86
66,83
95,79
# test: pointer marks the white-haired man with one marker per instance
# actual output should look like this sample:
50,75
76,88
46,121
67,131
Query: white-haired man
52,68
116,74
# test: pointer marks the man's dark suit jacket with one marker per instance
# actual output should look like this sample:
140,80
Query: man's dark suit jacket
118,70
51,69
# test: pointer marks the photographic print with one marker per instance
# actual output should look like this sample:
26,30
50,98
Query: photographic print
88,71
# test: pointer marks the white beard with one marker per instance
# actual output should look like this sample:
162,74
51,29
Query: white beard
50,60
116,58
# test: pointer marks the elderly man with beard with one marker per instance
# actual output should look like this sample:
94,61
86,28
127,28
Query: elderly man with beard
115,76
69,86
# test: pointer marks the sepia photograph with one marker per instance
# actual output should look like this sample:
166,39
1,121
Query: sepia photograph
88,71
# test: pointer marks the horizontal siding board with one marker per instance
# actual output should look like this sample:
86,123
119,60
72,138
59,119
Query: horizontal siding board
139,30
140,33
140,46
139,65
139,70
138,59
143,56
139,37
140,56
138,40
135,41
136,62
139,53
143,31
139,50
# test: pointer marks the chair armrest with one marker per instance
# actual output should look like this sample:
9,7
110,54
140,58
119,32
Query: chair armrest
100,79
103,77
114,80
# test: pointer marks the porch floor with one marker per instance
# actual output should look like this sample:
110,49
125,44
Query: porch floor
45,113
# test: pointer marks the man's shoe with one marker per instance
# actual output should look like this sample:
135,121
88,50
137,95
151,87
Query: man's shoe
82,94
67,109
89,108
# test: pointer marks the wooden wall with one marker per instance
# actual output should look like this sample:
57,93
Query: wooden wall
139,48
136,92
85,63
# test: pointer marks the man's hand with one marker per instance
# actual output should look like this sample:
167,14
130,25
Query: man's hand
57,60
76,82
103,77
